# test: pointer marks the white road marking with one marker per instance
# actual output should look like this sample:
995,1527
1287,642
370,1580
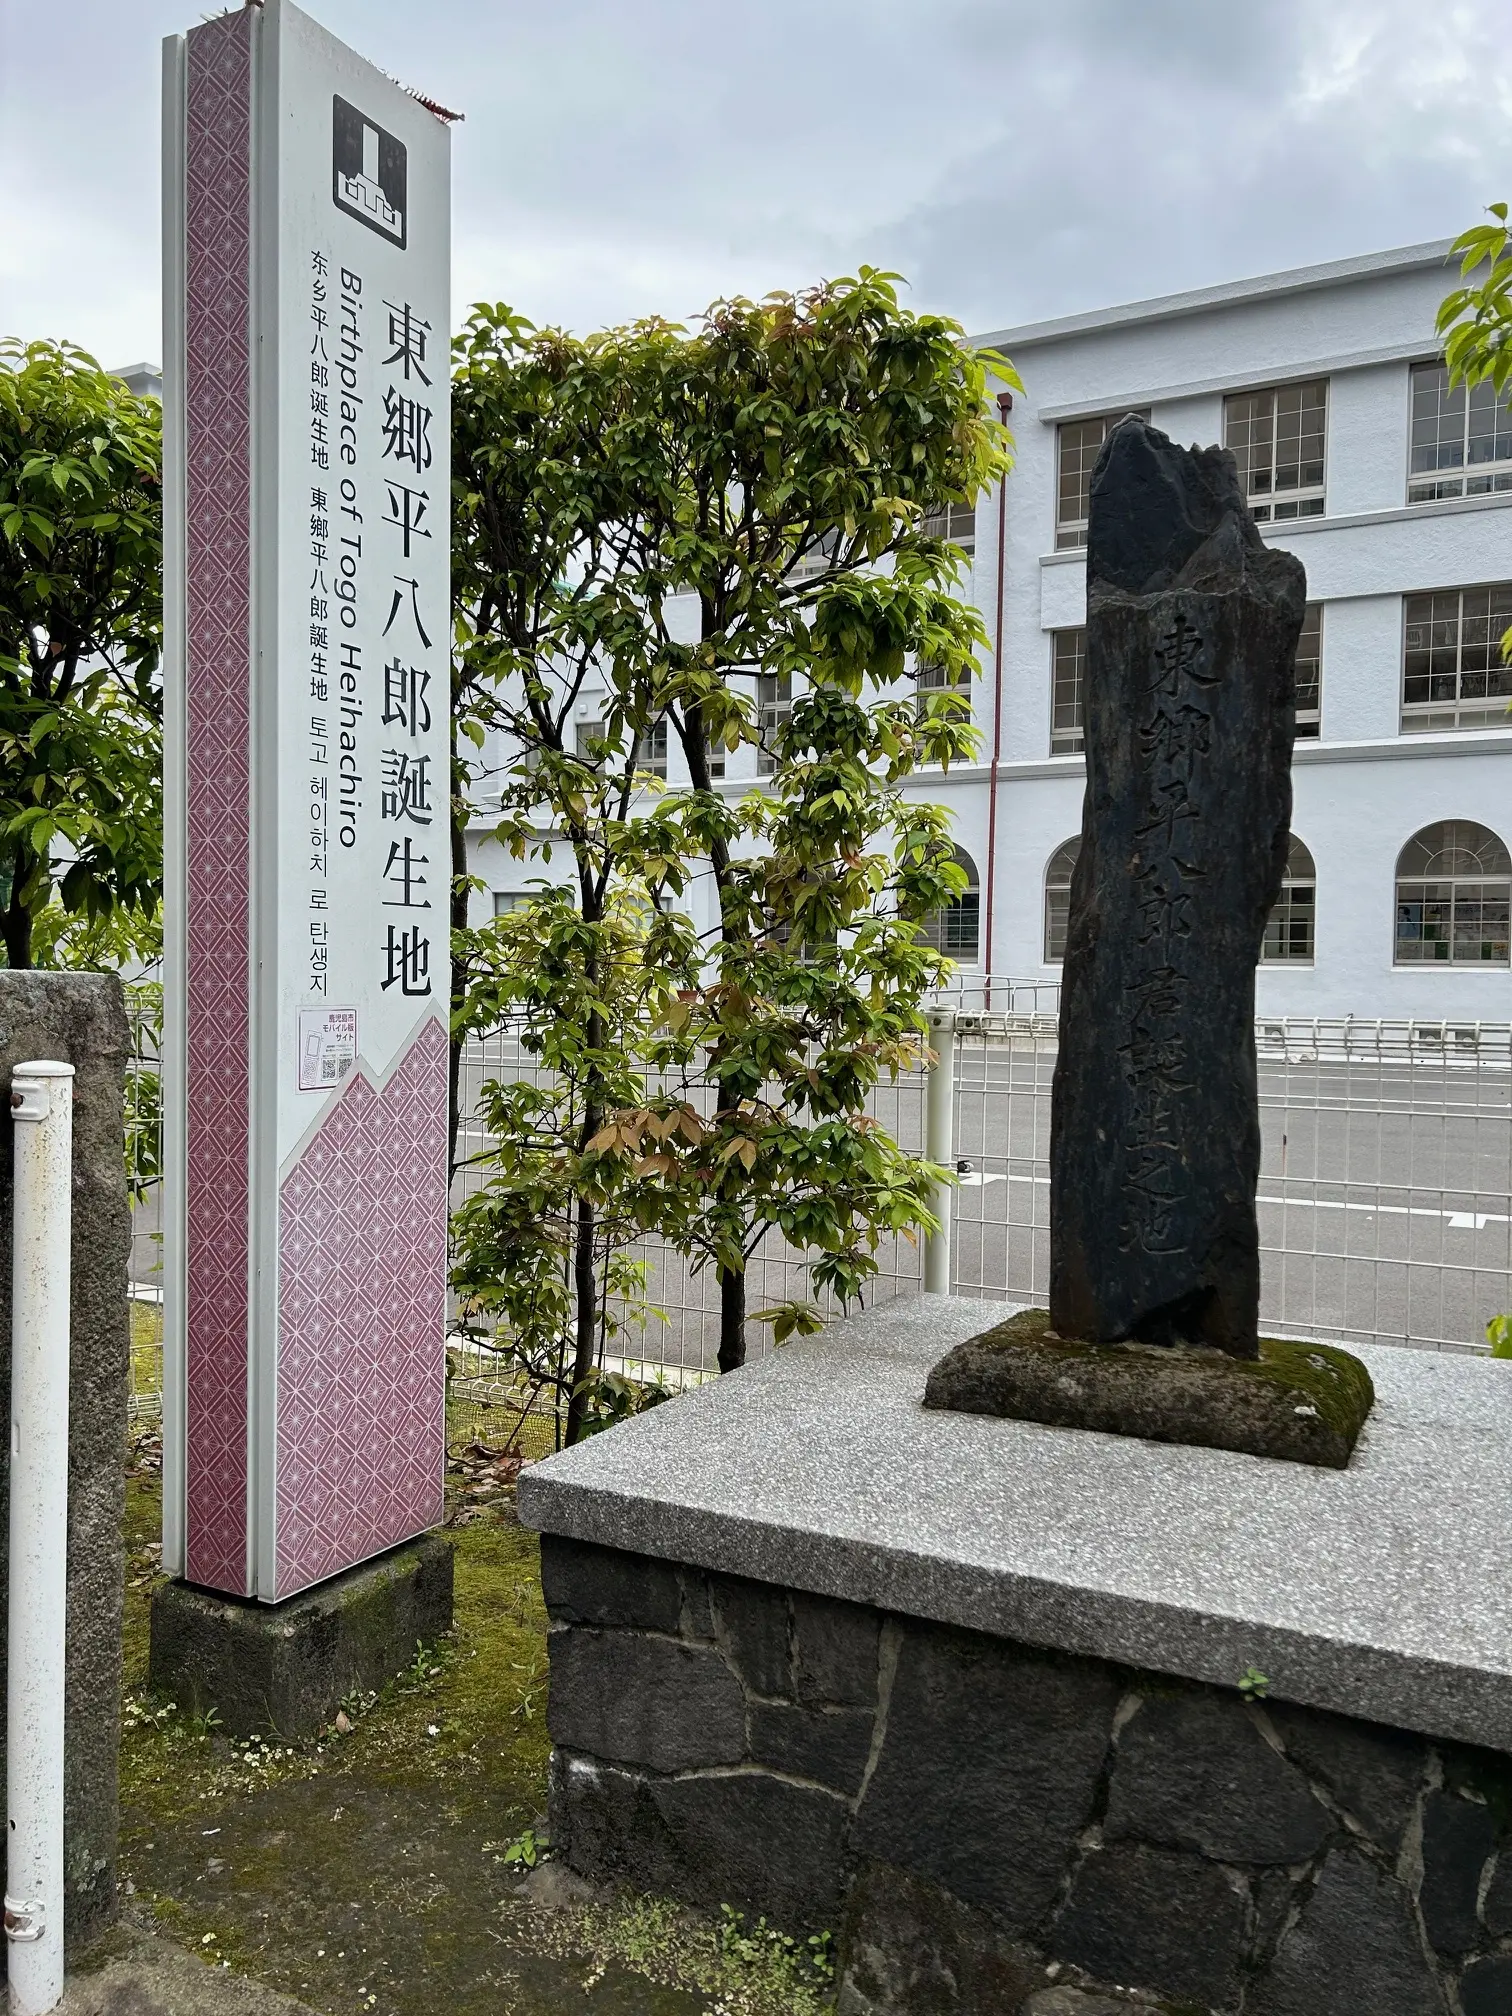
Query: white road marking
1457,1221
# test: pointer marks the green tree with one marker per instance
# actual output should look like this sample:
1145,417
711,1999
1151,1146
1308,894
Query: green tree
541,600
541,1253
779,468
80,642
792,473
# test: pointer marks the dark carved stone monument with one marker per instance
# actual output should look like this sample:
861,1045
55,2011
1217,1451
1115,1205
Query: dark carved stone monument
1192,627
1190,711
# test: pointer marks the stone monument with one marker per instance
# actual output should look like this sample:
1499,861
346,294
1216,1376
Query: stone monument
1190,707
1009,1707
1192,627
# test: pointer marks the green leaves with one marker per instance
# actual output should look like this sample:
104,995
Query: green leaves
651,521
80,636
1476,320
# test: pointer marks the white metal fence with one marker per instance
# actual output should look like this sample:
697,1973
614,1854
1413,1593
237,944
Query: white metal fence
1385,1196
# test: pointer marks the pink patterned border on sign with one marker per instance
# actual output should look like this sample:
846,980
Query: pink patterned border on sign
362,1331
218,553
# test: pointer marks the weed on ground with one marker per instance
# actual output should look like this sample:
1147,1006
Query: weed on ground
375,1868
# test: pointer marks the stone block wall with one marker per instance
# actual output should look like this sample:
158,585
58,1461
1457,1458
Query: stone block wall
79,1019
978,1818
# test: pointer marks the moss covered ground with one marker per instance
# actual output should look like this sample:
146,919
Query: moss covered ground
374,1869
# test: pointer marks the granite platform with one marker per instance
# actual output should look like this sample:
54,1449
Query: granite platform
1383,1591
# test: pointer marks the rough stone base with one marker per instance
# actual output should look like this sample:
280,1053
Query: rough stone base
1305,1403
286,1667
995,1828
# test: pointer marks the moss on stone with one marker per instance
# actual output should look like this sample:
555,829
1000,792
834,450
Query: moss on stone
374,1863
1296,1401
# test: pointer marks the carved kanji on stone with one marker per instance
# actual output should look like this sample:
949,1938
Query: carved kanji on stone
1192,627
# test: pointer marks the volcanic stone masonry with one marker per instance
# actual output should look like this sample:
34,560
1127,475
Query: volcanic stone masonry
1192,627
970,1811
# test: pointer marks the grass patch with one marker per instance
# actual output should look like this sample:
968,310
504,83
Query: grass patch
746,1969
369,1869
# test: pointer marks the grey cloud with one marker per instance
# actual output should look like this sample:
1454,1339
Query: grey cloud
625,156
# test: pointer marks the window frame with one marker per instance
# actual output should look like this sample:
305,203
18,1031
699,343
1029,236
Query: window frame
1460,715
1071,533
1301,873
773,707
954,522
1426,891
1310,719
1446,483
1072,740
650,755
938,927
1057,912
929,678
1302,499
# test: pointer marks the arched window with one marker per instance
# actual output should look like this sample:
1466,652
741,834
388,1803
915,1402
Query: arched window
1058,899
1288,937
1452,889
956,929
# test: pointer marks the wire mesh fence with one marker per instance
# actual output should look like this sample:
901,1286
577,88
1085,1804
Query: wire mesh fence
1385,1199
679,1339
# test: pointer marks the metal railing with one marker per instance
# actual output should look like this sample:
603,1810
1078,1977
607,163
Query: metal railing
1385,1197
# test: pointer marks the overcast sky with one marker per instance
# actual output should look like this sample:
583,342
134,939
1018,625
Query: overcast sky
1013,158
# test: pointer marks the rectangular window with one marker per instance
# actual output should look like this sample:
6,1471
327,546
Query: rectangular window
1057,923
815,559
1277,437
957,929
714,756
1068,663
1460,923
955,522
651,750
1290,928
936,679
1078,443
1310,674
1461,440
507,901
774,706
585,733
1452,670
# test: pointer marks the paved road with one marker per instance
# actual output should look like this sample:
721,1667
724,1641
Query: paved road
1385,1194
1385,1199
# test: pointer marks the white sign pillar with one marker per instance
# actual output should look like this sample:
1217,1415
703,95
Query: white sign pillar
307,299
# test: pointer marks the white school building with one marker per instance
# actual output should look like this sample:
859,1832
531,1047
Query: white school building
1396,494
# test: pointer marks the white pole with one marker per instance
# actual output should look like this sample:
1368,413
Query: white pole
939,1143
42,1108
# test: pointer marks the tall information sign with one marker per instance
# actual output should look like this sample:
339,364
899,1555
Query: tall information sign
307,282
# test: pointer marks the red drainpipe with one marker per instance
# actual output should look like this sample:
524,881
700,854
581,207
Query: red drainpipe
1005,407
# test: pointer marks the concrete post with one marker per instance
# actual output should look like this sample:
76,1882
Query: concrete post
42,1111
939,1143
78,1018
